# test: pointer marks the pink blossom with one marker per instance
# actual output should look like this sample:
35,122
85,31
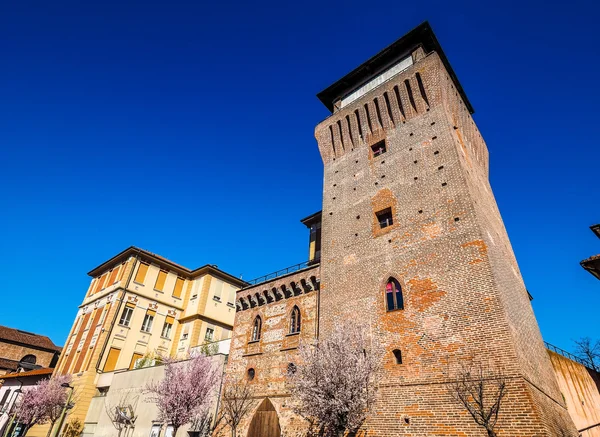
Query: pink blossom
185,391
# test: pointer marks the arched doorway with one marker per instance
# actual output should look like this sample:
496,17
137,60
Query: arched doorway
265,422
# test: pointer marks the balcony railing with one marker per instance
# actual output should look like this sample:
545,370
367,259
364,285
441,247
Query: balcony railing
568,355
282,272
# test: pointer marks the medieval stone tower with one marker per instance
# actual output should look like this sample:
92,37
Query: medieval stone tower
413,244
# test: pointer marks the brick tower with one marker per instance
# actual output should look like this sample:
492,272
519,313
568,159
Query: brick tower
414,245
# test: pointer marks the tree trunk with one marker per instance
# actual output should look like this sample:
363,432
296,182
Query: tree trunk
50,429
175,431
491,433
233,431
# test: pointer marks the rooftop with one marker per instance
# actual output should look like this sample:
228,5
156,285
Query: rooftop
27,338
37,372
592,265
153,257
422,35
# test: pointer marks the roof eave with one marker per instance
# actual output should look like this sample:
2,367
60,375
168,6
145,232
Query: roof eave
420,35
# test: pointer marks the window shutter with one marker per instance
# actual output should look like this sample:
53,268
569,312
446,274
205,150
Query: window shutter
141,273
151,312
134,358
231,294
169,319
178,287
218,289
160,281
111,361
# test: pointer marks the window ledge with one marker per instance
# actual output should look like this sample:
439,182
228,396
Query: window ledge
288,348
165,338
254,341
158,291
145,332
124,326
252,354
229,304
218,299
394,310
291,334
138,283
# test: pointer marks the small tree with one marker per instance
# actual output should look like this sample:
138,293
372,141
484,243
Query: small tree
589,351
30,410
43,402
481,392
54,397
334,383
185,391
236,403
122,414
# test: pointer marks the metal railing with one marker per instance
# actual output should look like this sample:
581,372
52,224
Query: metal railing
282,272
568,355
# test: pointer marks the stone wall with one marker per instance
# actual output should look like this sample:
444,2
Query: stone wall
580,388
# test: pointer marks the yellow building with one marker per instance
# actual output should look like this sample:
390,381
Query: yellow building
139,303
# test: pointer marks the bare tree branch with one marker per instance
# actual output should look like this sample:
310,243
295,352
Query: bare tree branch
589,352
236,403
481,392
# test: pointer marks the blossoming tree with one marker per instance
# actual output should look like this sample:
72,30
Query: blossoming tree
43,402
333,384
185,391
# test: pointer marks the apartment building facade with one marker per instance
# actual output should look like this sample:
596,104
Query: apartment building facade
138,305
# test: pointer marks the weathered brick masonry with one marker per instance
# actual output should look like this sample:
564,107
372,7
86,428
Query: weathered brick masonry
464,297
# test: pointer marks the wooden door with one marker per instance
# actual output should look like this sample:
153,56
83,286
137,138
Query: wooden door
265,422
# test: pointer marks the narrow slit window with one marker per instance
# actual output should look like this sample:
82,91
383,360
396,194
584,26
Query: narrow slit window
378,148
349,128
398,356
368,117
378,112
393,295
358,123
332,139
385,218
339,125
389,107
410,94
399,100
422,89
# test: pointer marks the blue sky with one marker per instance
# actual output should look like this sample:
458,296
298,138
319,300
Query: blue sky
186,128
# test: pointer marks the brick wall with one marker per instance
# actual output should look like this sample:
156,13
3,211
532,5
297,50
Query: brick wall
465,301
15,352
273,301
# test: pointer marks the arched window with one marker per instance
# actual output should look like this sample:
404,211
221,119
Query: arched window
295,321
256,329
393,295
29,359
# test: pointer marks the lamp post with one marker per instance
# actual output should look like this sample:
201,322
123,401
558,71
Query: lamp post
12,407
61,419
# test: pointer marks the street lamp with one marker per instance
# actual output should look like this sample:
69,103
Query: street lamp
61,419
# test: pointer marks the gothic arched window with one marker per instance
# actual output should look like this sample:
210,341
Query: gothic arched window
295,321
256,329
393,295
